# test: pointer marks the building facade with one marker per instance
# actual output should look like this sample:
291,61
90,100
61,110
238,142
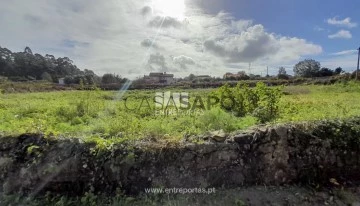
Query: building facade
159,78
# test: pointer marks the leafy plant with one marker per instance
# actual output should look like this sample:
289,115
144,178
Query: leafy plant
261,102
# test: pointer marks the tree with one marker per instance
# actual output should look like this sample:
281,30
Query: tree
307,68
325,72
192,77
47,77
28,50
242,73
111,79
282,73
339,70
6,62
26,65
69,80
242,76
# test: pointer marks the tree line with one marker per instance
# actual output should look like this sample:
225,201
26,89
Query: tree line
26,66
22,66
310,68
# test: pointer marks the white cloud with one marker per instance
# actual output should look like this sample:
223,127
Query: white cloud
346,59
345,52
347,62
293,49
157,62
115,36
254,44
342,34
183,61
164,22
247,46
342,23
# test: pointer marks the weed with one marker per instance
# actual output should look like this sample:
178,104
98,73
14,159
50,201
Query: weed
98,113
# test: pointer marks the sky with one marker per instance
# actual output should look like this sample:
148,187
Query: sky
203,37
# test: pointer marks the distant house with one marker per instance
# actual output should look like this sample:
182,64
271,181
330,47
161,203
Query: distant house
159,78
229,75
239,76
62,81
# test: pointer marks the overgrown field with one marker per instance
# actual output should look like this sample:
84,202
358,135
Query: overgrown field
131,115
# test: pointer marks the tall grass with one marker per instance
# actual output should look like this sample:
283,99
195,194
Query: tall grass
96,114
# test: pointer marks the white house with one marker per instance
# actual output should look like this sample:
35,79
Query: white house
62,81
159,78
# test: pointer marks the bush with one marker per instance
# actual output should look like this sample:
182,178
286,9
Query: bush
268,106
261,102
283,76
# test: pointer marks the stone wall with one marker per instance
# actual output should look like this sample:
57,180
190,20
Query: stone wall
307,153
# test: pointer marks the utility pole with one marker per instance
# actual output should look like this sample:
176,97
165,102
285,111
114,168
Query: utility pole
267,71
357,69
249,68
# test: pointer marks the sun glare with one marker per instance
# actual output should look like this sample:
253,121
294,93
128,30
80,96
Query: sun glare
172,8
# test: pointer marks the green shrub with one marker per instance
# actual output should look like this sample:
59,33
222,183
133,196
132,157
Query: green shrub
268,105
261,102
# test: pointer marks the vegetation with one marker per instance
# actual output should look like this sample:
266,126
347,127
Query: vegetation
101,114
112,79
310,68
320,102
282,73
307,68
261,102
27,66
23,66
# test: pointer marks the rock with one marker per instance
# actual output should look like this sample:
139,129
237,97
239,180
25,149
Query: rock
229,141
271,156
282,131
7,187
218,136
7,143
243,138
322,195
262,130
188,156
5,162
206,148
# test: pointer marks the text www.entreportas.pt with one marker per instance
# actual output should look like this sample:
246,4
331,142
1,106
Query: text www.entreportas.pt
180,190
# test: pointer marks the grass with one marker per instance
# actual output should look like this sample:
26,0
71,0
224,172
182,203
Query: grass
97,114
23,87
320,102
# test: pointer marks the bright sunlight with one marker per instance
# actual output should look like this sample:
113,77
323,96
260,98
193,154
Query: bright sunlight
173,8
